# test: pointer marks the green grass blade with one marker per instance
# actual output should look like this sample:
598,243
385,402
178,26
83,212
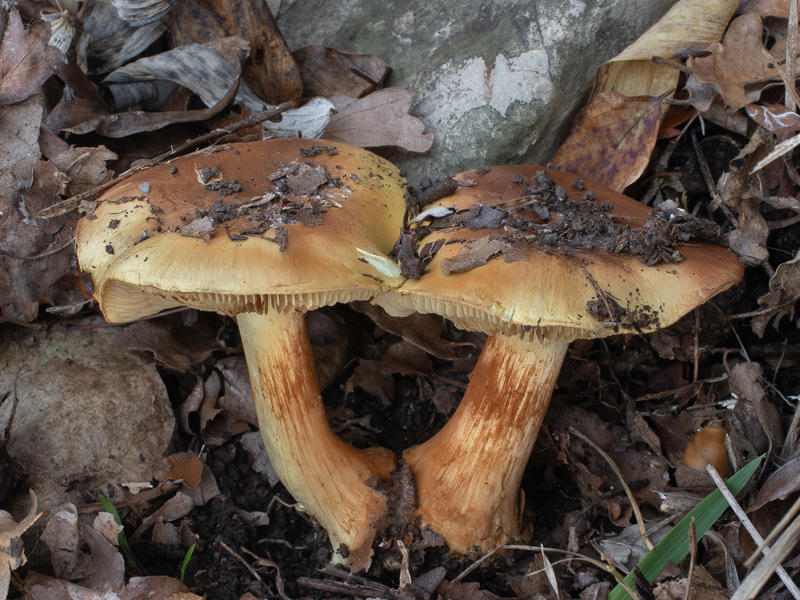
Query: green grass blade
123,541
187,557
675,545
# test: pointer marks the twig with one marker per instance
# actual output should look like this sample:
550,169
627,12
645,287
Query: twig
637,513
263,563
241,560
787,581
606,566
692,558
791,58
763,571
774,533
781,149
74,202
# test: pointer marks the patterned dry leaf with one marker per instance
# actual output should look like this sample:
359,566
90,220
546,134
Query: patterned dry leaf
611,139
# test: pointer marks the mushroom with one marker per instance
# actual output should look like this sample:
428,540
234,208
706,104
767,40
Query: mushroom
708,448
264,231
529,259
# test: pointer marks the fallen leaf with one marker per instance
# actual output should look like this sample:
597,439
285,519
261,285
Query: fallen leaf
309,121
380,119
186,466
329,72
423,330
784,292
270,71
62,537
108,566
474,254
775,118
612,138
138,588
195,67
766,8
108,41
737,69
26,61
12,551
369,377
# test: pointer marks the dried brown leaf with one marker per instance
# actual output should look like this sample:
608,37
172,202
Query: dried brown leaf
369,377
270,72
775,118
612,138
475,253
330,72
784,292
737,69
379,119
423,330
766,8
186,466
26,61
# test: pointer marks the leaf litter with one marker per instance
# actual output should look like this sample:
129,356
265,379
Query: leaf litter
656,393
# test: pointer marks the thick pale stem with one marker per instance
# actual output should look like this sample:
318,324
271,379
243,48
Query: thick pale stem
324,474
468,475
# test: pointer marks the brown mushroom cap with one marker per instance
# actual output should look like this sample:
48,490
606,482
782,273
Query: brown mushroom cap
198,251
562,292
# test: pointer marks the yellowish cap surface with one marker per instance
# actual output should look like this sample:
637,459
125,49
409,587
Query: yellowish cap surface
276,226
556,292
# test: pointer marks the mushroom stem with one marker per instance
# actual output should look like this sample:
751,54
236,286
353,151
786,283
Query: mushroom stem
329,478
468,475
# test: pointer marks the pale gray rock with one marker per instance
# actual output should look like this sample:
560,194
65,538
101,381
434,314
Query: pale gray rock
88,413
496,81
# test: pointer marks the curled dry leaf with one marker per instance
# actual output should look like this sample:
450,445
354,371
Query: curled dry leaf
309,121
329,72
108,41
62,537
379,119
611,139
270,71
129,123
737,69
12,554
26,61
784,292
688,25
195,67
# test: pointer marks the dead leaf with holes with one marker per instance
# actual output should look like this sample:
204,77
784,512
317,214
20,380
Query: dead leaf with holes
612,138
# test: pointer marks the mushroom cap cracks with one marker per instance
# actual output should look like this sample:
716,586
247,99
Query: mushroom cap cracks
511,282
275,226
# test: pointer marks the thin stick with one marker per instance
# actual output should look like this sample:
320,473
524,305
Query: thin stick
791,57
241,560
751,529
692,559
774,533
628,492
74,202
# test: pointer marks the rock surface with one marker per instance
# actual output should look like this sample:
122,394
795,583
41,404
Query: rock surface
496,81
88,413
